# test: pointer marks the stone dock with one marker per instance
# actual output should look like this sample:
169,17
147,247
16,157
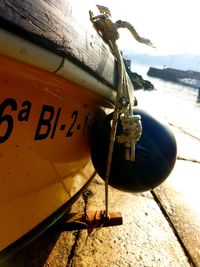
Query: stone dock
160,228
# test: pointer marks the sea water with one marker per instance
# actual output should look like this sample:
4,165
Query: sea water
179,105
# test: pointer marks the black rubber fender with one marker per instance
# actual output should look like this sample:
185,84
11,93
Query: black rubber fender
155,154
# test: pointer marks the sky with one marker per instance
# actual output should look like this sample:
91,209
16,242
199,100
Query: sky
171,25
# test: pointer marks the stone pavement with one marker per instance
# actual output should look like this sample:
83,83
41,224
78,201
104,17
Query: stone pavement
180,199
179,195
144,239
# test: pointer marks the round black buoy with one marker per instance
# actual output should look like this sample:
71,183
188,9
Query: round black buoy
155,154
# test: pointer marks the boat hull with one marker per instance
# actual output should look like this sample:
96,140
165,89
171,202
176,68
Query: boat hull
45,126
56,73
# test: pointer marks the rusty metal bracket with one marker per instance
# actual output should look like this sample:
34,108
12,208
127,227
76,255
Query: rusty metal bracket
89,220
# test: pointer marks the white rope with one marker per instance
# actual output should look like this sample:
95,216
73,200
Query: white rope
132,127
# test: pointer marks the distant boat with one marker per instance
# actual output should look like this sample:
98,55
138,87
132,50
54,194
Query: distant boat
190,82
189,77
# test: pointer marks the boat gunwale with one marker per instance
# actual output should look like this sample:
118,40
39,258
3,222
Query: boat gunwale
92,55
23,50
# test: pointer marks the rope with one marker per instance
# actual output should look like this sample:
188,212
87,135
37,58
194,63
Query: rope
124,99
114,123
128,26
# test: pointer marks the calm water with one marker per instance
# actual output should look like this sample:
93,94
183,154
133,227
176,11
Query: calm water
178,104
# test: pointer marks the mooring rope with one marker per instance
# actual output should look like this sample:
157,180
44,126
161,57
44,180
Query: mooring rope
124,98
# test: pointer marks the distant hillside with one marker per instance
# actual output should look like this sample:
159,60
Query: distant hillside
179,61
